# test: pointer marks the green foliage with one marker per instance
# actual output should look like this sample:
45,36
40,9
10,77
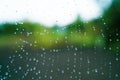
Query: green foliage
77,33
75,26
94,33
8,28
112,27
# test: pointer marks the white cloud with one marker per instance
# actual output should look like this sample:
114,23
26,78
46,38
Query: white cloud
50,12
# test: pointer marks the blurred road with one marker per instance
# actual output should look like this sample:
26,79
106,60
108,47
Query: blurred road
69,63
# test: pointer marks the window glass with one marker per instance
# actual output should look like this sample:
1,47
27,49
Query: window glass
59,40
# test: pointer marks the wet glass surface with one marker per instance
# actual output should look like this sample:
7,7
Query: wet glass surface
60,48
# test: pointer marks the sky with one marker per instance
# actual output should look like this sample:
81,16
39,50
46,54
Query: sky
51,12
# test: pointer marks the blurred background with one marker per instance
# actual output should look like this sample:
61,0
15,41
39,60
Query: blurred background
102,31
38,41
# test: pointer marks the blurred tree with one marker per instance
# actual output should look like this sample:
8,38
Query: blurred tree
8,28
111,22
76,26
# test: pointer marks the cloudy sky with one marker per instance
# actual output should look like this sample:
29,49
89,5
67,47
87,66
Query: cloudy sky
50,12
